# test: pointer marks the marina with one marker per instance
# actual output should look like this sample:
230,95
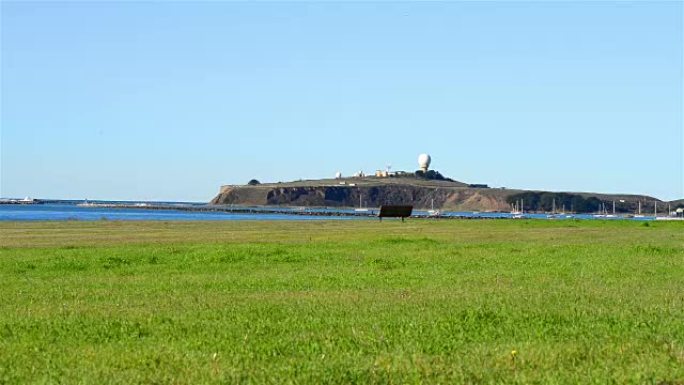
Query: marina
188,211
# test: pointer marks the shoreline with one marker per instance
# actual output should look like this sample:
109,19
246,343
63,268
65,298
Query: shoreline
338,212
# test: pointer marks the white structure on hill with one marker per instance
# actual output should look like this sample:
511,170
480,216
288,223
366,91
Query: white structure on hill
424,162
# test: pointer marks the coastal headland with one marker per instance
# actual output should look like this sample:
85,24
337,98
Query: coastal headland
371,191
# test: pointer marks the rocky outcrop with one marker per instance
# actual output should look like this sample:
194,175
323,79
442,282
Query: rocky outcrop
424,194
455,198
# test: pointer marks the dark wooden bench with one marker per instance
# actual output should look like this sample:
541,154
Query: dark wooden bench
395,211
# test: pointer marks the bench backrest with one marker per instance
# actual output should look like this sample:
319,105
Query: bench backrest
392,211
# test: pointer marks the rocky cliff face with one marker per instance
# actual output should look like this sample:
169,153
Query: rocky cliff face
423,194
369,196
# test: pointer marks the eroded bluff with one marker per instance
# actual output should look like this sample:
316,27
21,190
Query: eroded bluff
365,196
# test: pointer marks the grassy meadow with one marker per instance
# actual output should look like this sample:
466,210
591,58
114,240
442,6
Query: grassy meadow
342,302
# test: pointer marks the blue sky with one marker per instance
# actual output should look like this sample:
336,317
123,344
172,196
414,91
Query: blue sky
170,100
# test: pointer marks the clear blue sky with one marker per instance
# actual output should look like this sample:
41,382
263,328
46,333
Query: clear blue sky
169,100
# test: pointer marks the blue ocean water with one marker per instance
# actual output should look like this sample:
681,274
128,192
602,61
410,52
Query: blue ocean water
63,211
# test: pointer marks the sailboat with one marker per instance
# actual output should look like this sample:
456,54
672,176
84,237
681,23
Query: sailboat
671,215
361,208
600,212
518,211
432,212
553,210
638,215
606,211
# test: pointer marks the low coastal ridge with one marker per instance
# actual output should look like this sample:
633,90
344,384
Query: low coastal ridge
372,191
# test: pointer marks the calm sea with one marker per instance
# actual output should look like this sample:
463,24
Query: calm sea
64,212
71,211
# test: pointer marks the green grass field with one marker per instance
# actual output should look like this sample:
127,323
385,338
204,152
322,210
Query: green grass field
423,302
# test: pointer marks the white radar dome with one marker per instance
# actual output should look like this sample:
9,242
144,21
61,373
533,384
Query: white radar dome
424,161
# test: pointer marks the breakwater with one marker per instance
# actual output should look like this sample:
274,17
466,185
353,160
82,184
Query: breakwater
236,209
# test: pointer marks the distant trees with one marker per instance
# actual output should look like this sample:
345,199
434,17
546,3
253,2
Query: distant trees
253,182
431,175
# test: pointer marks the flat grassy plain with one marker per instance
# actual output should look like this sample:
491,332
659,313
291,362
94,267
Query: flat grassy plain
342,302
